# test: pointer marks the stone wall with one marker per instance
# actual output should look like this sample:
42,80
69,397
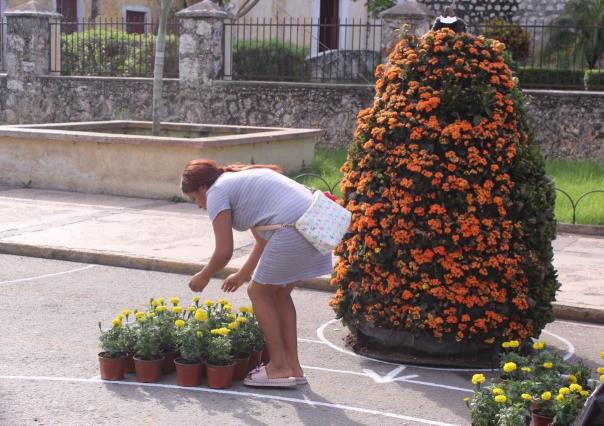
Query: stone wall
567,124
510,10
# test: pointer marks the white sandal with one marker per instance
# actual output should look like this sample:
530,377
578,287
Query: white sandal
259,378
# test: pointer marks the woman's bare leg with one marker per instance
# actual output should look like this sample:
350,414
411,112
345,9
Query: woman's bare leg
287,318
264,301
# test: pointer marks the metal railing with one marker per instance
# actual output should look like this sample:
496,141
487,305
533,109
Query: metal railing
302,50
548,55
111,48
2,43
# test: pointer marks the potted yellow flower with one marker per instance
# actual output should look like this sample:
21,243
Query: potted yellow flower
242,345
112,358
166,317
148,357
219,359
190,341
252,328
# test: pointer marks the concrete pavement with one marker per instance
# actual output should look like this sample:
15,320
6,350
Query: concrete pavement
177,237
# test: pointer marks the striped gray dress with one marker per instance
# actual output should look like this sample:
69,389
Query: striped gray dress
264,197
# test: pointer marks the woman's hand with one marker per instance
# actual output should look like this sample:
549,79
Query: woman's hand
199,282
233,282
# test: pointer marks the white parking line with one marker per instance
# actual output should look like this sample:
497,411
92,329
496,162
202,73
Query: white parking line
309,402
47,275
310,341
570,346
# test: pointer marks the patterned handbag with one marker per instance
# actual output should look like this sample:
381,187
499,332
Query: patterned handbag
323,224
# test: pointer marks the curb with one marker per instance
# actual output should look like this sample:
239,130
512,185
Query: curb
566,312
569,228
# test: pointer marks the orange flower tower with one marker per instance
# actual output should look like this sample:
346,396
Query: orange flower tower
450,243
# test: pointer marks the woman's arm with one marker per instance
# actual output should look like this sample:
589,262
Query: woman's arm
223,250
236,280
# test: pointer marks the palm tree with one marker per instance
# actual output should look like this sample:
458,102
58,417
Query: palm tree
579,29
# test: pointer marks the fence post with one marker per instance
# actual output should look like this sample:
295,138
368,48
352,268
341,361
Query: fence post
417,16
201,51
28,51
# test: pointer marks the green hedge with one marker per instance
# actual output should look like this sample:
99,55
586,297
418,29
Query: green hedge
550,78
268,60
594,79
115,53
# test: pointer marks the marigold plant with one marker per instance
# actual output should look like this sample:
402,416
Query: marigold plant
452,212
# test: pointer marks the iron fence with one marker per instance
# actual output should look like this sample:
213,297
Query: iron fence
548,55
302,50
2,43
111,48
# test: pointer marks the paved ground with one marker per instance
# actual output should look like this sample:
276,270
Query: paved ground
48,366
177,237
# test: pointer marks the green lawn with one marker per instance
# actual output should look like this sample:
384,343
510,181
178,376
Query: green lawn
574,177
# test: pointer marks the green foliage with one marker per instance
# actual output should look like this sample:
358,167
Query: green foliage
579,32
515,38
594,79
114,53
512,415
551,78
219,351
268,60
243,339
112,341
148,340
192,340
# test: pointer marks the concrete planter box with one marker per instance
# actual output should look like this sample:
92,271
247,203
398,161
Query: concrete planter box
109,157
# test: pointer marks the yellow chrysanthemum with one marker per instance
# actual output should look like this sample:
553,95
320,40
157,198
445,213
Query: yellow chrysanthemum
560,397
466,399
233,325
514,343
222,331
223,301
575,387
602,378
179,323
209,303
151,315
139,314
538,345
177,309
199,333
546,396
602,354
584,393
175,300
192,308
527,369
501,399
227,307
141,319
231,317
155,303
242,320
548,365
572,379
116,322
201,315
526,397
250,309
564,391
600,370
498,391
478,379
195,299
161,300
161,308
243,309
126,312
508,367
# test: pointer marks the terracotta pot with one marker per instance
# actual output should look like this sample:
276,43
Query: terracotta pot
241,368
148,371
187,374
220,376
255,358
266,356
541,420
111,368
168,366
129,364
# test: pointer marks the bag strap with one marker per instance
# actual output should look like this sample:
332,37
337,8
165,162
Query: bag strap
263,228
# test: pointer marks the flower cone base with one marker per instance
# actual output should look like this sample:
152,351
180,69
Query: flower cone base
403,347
